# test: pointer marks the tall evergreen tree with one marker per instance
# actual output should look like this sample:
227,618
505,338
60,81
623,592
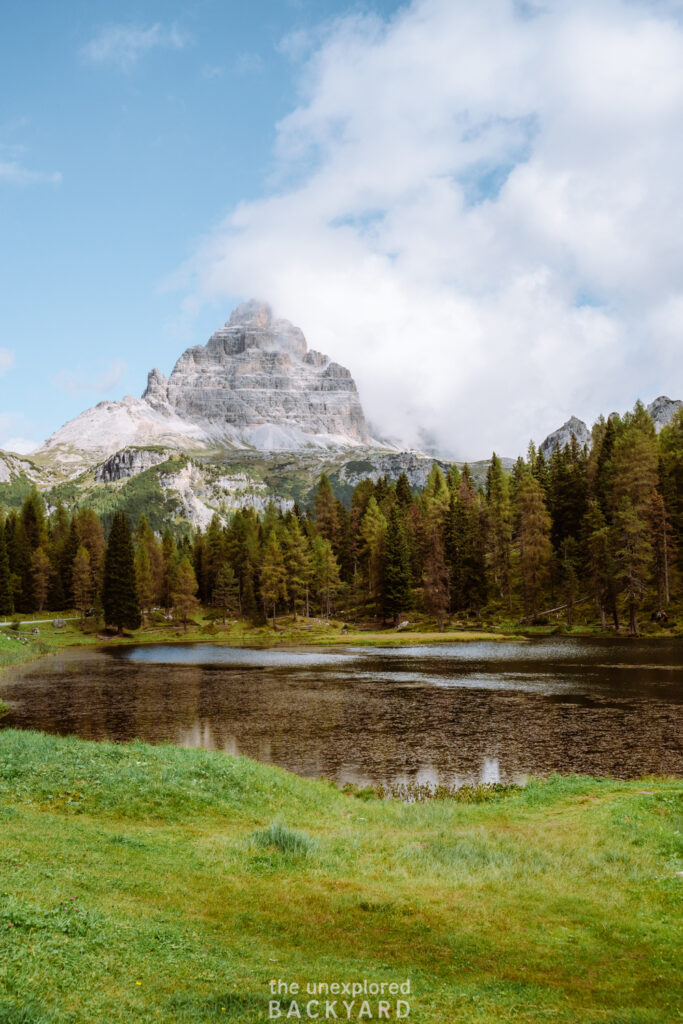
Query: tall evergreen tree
119,593
273,576
634,557
6,599
533,540
435,579
396,584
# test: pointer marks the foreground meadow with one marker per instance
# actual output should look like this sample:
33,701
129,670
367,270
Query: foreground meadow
144,883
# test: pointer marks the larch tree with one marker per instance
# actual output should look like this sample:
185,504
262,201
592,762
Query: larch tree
326,574
373,531
184,591
299,564
273,576
82,581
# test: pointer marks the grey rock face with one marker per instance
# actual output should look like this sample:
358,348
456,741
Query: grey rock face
559,438
128,462
663,410
257,371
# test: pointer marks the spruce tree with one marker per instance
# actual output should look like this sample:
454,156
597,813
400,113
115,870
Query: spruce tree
6,601
226,591
119,592
435,579
396,583
634,557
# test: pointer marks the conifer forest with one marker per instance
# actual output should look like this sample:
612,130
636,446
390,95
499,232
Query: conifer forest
589,535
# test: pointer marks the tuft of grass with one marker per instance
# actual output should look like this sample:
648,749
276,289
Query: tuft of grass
284,839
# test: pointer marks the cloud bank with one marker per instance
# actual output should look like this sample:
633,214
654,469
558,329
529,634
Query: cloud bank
479,209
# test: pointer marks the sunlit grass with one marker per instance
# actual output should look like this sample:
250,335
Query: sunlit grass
148,883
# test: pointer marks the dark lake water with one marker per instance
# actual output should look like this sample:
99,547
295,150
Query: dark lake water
450,713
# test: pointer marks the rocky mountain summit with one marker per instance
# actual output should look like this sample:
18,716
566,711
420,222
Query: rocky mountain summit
255,384
563,435
661,411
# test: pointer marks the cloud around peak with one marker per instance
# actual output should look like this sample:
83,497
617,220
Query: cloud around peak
478,208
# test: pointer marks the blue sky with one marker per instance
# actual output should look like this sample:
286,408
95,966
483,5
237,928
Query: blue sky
477,207
126,132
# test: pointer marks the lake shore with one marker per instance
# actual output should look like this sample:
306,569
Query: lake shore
152,882
21,646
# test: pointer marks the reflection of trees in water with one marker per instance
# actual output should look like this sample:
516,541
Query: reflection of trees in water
362,726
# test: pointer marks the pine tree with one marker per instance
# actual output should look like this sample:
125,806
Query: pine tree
41,570
325,513
226,591
435,578
396,582
273,575
404,494
33,520
69,550
663,549
119,594
144,581
91,536
499,533
6,599
533,540
634,557
600,563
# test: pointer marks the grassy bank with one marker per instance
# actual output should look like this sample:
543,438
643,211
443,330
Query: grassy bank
22,645
159,884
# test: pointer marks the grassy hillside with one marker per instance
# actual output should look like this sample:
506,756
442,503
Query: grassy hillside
159,884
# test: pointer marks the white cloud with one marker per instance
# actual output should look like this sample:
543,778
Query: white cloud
13,173
479,209
6,360
103,383
14,427
20,445
123,45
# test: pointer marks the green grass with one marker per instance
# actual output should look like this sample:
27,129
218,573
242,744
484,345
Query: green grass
144,884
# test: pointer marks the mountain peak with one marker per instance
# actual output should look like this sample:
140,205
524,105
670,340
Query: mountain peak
251,313
253,384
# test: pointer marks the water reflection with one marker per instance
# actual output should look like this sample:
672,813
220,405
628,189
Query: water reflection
457,713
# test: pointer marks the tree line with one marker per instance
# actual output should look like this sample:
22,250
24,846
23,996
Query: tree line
597,527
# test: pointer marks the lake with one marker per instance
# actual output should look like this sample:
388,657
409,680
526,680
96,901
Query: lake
449,713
